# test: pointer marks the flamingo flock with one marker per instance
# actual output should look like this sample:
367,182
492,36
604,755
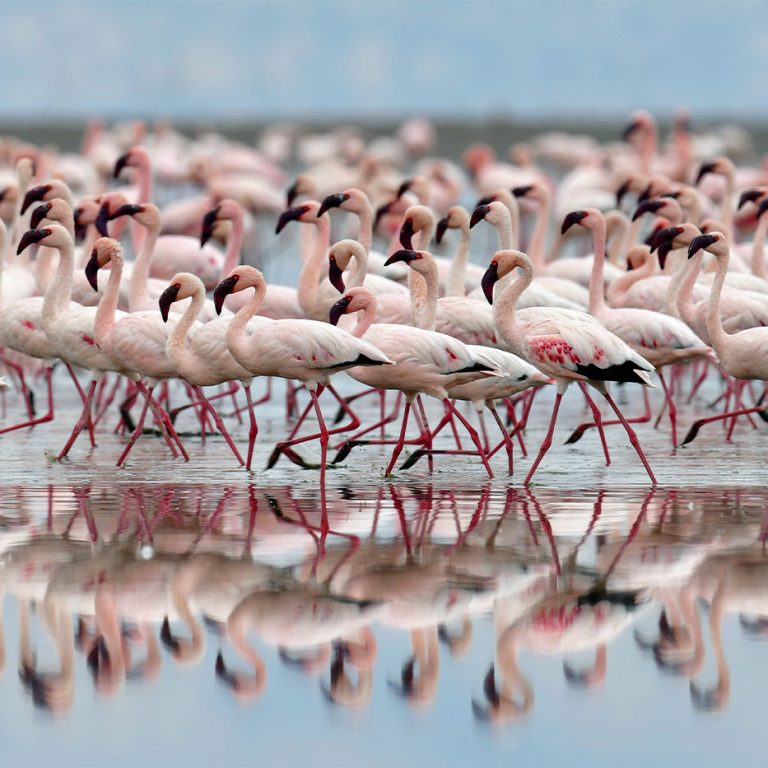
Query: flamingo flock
147,304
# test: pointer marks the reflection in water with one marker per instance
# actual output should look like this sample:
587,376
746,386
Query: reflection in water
122,582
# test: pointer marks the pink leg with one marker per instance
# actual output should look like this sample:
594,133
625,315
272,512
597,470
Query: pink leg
81,422
26,391
82,398
136,434
163,422
254,427
219,424
48,416
598,421
670,406
507,439
697,425
473,435
397,450
632,436
421,416
323,451
578,433
547,442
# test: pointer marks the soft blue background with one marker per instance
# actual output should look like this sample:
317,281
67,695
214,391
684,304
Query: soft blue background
533,58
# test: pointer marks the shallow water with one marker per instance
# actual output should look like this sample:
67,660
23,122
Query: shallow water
596,600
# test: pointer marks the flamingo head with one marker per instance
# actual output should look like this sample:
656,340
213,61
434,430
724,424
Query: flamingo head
35,195
53,235
640,122
105,250
332,201
414,259
651,206
305,213
502,263
354,300
753,195
302,185
575,217
239,279
136,157
40,213
339,256
456,218
418,218
418,185
721,166
181,286
706,243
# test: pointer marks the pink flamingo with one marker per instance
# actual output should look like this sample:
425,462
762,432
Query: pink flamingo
565,347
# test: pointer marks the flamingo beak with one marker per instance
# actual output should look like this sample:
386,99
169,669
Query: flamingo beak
522,191
30,237
292,214
209,221
479,213
291,193
627,133
332,201
750,196
167,298
222,290
339,309
762,208
406,234
621,191
704,170
405,255
102,219
382,211
122,161
442,226
645,194
39,214
665,236
92,270
702,242
167,638
648,206
490,278
335,275
574,217
403,188
35,195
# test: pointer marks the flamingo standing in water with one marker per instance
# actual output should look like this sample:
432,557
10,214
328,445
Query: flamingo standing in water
306,350
562,346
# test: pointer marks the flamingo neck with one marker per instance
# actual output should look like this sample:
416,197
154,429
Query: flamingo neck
539,234
235,244
365,317
596,285
505,234
17,228
693,211
236,634
105,313
717,333
91,234
456,276
624,282
144,174
59,293
236,337
726,204
312,270
176,346
44,268
648,149
423,288
361,268
505,301
365,233
758,248
138,292
680,290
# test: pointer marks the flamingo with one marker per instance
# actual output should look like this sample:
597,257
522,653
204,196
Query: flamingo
566,347
426,362
306,350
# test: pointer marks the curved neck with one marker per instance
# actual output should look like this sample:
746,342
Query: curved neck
505,234
234,245
717,333
456,276
365,234
680,289
176,346
596,287
648,149
361,269
59,292
505,301
364,319
237,339
536,247
758,248
423,288
312,270
138,293
236,634
105,312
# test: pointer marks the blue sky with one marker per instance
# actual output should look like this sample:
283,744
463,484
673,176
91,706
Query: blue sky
328,58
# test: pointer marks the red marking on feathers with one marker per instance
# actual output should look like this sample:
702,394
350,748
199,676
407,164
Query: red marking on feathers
554,350
89,340
29,325
451,356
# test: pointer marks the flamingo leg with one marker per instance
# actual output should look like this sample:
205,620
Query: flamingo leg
387,420
507,440
697,425
645,417
421,417
631,434
83,397
323,450
136,434
473,436
598,421
163,421
42,419
671,406
29,398
547,442
253,428
397,450
82,421
217,420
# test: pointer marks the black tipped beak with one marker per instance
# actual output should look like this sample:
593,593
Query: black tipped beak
403,188
621,191
209,221
406,234
30,237
660,224
102,219
762,208
339,309
750,196
522,191
381,211
704,170
335,276
291,194
332,201
490,278
442,226
649,206
702,242
167,638
479,214
292,214
167,298
666,235
35,195
92,271
574,217
39,214
122,161
128,209
626,134
222,290
405,255
645,194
